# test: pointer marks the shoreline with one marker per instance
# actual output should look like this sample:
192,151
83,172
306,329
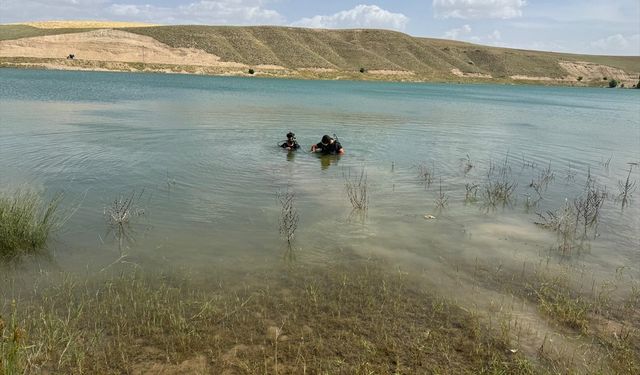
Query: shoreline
28,63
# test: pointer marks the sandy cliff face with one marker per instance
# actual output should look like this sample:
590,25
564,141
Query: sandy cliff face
109,45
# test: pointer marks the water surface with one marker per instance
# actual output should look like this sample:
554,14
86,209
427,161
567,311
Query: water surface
203,153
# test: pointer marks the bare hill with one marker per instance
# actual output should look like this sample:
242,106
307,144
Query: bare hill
300,52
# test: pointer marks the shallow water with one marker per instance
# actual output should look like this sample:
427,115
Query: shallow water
202,152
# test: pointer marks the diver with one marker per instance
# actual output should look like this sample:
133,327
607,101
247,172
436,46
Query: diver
328,146
291,144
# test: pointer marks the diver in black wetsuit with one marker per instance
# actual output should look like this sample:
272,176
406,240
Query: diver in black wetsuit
328,146
291,144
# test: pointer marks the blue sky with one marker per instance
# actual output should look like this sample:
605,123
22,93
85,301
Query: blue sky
579,26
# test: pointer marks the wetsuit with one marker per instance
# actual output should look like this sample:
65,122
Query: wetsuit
330,149
294,146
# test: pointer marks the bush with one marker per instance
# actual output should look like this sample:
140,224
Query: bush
251,71
613,83
604,78
25,223
362,70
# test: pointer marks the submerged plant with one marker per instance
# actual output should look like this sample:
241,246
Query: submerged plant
467,165
528,163
289,217
563,222
441,200
26,221
425,174
471,194
120,214
571,174
587,206
541,182
627,188
358,191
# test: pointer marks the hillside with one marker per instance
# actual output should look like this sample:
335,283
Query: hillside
299,52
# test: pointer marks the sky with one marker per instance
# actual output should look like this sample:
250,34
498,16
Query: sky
601,27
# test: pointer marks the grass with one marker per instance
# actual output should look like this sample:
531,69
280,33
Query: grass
357,190
627,188
602,320
353,318
341,53
120,214
26,222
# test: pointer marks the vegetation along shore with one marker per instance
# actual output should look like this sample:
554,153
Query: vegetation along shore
287,52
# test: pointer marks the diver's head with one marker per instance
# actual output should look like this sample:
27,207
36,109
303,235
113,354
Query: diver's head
291,136
326,140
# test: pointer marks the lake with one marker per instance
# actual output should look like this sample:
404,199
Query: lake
201,157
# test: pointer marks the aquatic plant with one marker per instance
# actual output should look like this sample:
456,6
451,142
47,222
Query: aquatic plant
528,163
587,206
425,174
121,324
441,200
541,182
289,219
606,163
563,222
12,338
499,192
471,194
571,174
357,191
26,222
467,165
120,214
627,188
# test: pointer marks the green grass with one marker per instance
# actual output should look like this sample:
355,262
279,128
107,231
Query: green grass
347,51
26,222
355,319
11,32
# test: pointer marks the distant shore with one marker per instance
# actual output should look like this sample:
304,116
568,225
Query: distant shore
136,67
297,53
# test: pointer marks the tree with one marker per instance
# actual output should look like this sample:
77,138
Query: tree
613,83
362,70
251,71
579,78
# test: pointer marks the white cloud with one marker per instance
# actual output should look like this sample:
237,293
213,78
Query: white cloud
457,32
618,44
494,36
366,16
239,12
470,9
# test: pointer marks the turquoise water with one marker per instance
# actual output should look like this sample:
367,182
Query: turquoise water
202,154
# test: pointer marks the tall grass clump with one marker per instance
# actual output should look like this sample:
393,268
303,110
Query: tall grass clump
587,207
358,191
289,220
26,221
627,188
499,188
12,338
119,216
425,174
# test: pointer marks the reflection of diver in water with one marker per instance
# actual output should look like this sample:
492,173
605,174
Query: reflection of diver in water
327,160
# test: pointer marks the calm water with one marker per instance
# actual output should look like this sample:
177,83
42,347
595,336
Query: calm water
203,153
